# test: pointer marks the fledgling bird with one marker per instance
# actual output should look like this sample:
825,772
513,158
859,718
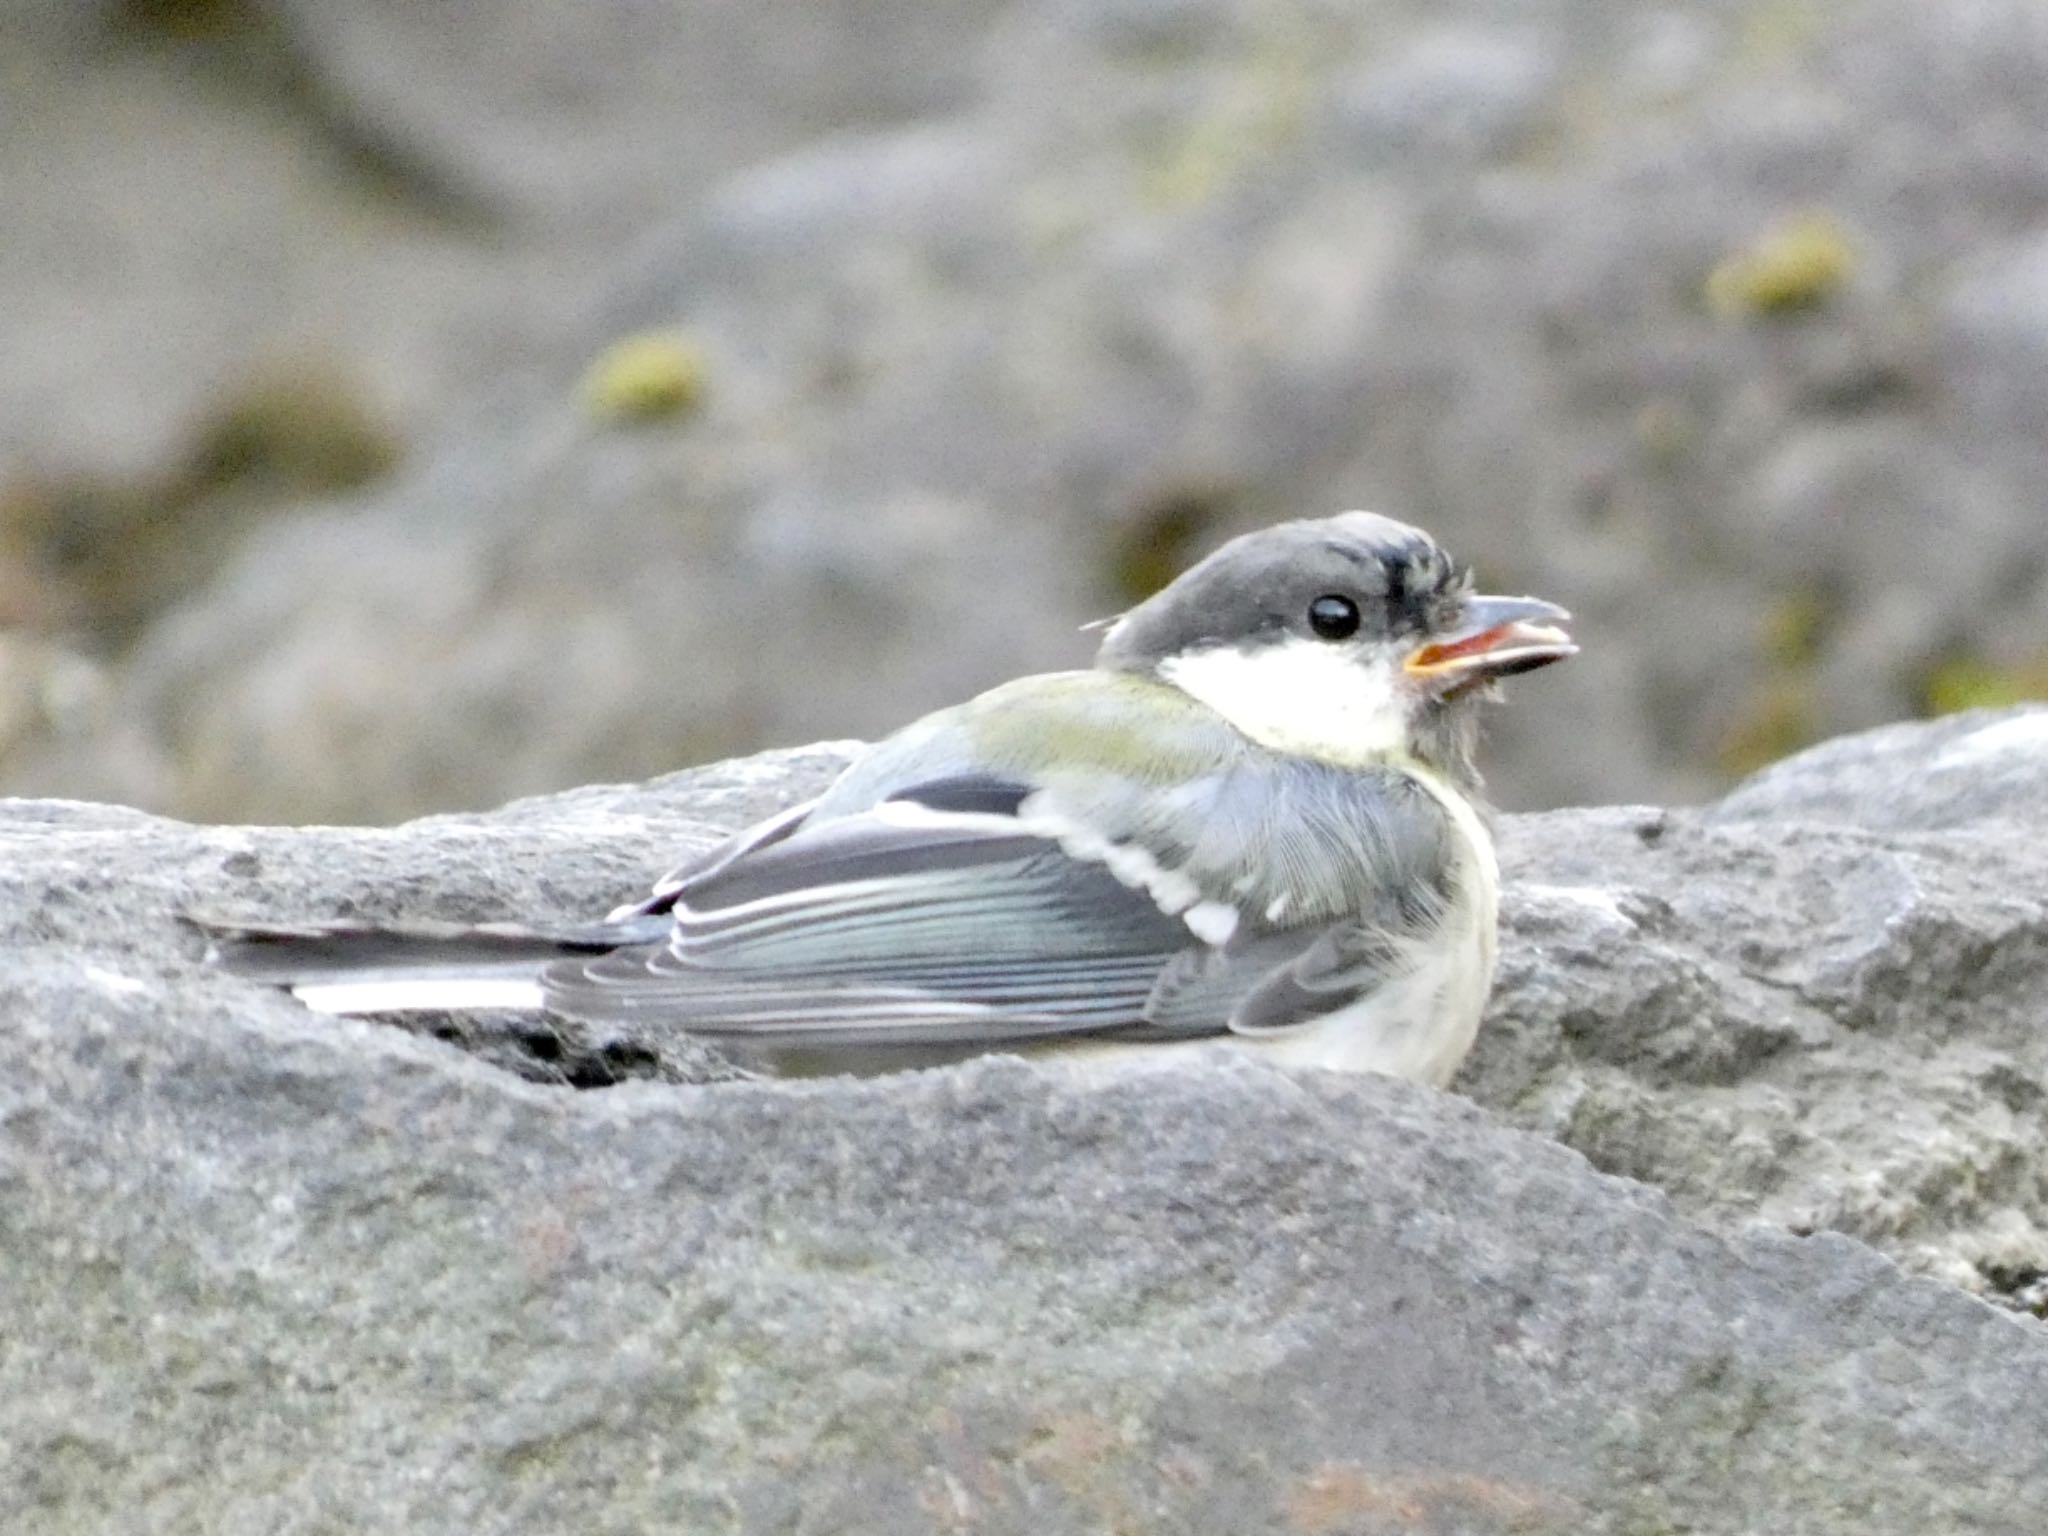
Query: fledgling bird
1254,824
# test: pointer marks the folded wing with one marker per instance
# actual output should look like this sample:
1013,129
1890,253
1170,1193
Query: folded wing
973,912
910,923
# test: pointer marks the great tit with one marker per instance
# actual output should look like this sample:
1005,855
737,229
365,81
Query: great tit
1253,825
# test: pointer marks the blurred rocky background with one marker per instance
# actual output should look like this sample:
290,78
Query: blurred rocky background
406,407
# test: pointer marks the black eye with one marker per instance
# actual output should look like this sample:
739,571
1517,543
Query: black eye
1333,617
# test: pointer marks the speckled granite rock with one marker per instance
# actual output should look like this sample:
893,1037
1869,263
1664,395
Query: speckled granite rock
1823,1001
264,1271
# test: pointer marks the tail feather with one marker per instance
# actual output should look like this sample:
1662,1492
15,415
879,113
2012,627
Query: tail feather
349,967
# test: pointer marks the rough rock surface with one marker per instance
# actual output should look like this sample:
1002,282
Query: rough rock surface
1720,323
1823,1026
270,1272
1977,768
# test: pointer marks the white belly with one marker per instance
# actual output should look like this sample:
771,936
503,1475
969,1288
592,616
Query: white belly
1418,1026
1421,1023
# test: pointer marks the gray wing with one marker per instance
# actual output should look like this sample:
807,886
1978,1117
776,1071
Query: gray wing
1277,981
719,856
980,909
912,923
1339,879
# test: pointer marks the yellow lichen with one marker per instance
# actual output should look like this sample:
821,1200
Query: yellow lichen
302,421
1778,31
1793,267
1970,682
1780,714
1792,628
1776,720
1160,540
1257,110
645,378
189,20
104,553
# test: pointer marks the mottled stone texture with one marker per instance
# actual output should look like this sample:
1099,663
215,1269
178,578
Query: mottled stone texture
267,1272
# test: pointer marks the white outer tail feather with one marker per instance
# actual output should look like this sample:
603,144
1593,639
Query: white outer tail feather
402,995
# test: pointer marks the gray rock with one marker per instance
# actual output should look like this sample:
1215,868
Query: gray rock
982,352
1985,767
185,234
1472,91
1818,1026
1702,469
194,197
562,114
266,1271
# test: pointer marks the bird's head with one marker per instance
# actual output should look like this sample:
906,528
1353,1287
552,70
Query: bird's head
1353,639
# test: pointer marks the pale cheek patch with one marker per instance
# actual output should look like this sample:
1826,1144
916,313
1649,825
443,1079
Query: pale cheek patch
1307,698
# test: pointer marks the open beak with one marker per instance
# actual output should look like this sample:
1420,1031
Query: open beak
1497,637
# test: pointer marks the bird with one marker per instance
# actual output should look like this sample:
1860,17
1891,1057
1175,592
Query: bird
1254,824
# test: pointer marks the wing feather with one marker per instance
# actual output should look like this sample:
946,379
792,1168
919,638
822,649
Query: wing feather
980,906
903,924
